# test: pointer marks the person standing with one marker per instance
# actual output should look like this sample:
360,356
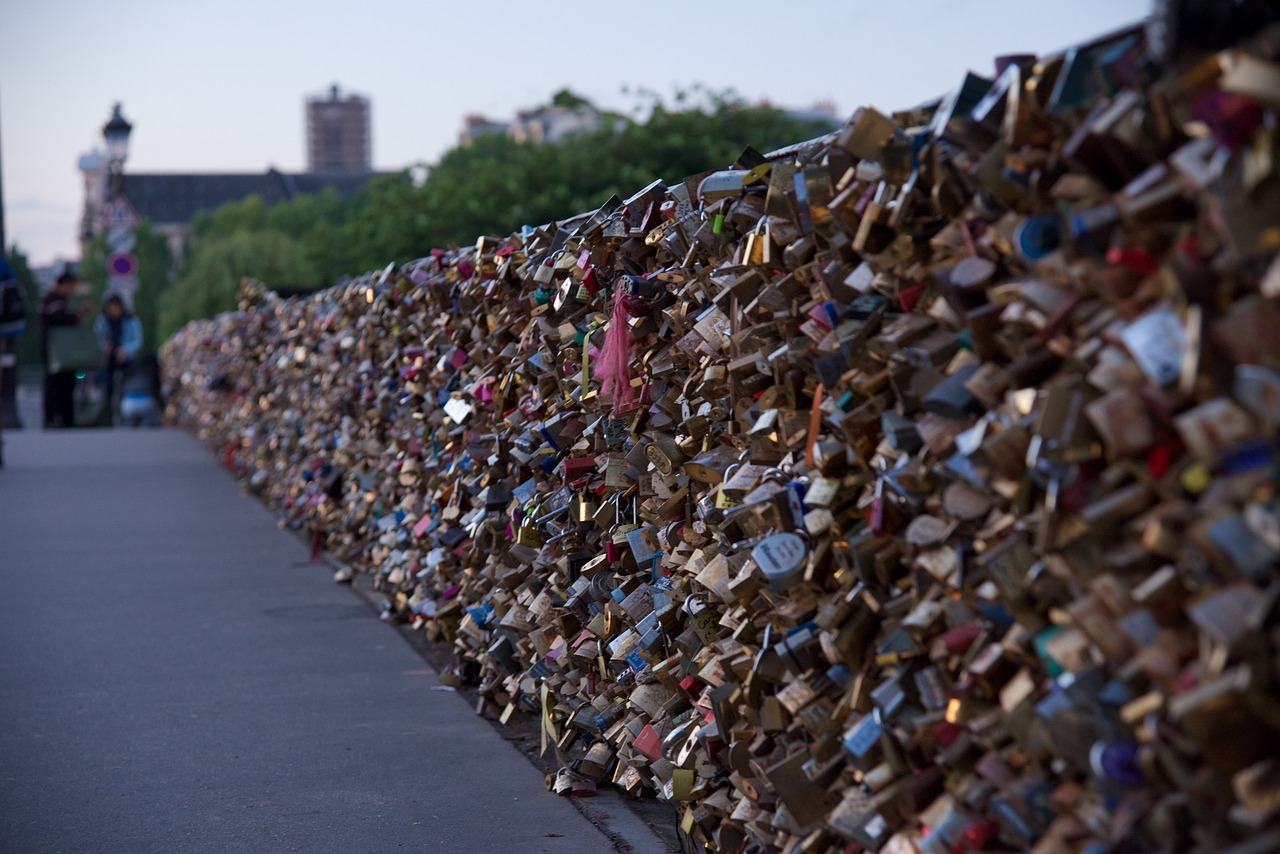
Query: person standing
120,337
59,386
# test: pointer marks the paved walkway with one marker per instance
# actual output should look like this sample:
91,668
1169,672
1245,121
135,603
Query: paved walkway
176,676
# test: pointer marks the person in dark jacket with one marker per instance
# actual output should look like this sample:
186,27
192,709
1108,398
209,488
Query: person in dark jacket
59,387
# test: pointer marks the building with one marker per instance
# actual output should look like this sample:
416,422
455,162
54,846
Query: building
548,124
555,124
338,134
477,124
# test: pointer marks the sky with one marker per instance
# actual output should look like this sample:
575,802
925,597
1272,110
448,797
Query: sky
220,87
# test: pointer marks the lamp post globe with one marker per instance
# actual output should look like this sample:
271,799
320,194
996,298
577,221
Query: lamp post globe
116,132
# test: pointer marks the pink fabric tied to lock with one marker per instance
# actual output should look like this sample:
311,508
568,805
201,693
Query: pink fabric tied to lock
613,368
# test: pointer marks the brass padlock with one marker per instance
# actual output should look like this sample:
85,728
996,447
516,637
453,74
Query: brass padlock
758,247
528,534
606,515
587,507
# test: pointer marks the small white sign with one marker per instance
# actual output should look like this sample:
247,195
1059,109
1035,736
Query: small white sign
121,215
1156,341
121,240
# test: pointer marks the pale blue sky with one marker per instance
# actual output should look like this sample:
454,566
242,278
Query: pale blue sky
220,86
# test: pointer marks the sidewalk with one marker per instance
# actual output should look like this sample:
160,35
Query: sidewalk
176,676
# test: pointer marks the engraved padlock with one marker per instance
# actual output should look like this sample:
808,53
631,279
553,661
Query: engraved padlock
528,534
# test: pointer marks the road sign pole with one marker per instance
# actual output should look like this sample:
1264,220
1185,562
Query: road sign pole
122,239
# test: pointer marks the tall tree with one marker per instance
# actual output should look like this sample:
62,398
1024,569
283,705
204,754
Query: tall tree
209,280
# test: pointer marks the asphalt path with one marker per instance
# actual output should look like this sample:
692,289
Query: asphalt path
176,676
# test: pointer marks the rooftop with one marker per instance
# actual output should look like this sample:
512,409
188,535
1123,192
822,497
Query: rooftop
177,198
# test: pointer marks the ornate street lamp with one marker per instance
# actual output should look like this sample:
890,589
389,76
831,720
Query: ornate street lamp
116,132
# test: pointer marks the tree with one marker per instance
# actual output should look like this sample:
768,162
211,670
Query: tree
299,217
495,184
209,280
385,222
567,98
248,214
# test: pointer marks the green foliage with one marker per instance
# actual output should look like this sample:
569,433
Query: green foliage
385,222
566,98
209,280
491,186
299,217
248,214
29,343
495,184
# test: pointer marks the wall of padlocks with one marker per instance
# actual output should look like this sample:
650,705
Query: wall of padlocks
913,489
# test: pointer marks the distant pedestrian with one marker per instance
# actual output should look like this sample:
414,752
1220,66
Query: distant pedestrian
120,337
59,386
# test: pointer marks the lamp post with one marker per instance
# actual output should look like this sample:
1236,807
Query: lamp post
122,264
116,132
